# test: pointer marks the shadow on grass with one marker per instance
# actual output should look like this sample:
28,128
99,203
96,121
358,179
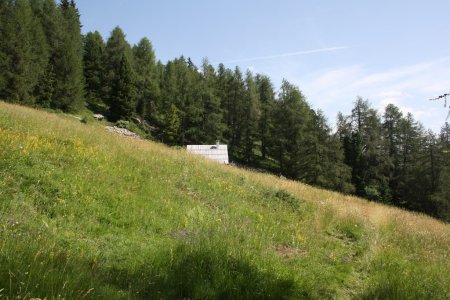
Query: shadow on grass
205,274
394,277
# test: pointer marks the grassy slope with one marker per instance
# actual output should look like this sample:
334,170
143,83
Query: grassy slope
86,214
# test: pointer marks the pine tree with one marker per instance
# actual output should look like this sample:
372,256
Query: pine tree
189,101
392,144
235,113
164,111
326,159
50,18
18,73
376,175
412,143
212,119
147,84
441,197
422,180
224,92
170,134
364,152
292,119
67,60
4,59
250,117
116,48
40,47
181,86
94,69
45,88
267,102
123,95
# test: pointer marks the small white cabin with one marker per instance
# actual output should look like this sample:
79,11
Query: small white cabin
215,152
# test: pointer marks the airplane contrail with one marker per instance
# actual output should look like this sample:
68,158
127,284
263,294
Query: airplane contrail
287,54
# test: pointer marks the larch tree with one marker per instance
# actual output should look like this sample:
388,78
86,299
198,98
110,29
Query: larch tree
267,105
123,93
292,118
212,119
94,70
392,118
250,118
236,101
116,49
224,83
188,100
147,85
46,87
327,158
171,131
441,196
18,77
68,60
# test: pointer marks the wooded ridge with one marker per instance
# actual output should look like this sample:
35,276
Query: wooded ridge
46,62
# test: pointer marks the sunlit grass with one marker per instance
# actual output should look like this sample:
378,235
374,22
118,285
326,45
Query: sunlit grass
87,214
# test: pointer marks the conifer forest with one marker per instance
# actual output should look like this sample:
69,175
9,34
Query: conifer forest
388,156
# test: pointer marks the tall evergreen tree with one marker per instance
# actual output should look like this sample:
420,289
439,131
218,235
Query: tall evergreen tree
177,110
189,85
168,111
94,69
180,87
235,114
5,8
267,101
170,133
46,87
392,144
68,61
23,51
362,136
377,162
123,94
212,119
116,48
40,47
328,169
411,143
292,119
224,92
147,85
441,197
250,117
423,180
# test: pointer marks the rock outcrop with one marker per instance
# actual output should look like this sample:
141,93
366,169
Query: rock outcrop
123,132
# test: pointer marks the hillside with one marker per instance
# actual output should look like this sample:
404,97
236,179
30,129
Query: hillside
87,214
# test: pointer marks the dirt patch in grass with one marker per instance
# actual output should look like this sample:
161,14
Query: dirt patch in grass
289,251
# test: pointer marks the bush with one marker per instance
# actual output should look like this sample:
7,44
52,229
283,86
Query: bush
123,124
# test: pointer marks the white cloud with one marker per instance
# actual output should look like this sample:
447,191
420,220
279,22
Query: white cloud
408,87
289,54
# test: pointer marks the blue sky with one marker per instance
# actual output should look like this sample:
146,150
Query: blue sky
385,51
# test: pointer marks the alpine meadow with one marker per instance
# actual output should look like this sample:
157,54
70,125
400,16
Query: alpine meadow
306,210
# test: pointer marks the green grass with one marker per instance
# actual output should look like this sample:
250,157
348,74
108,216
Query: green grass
85,214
